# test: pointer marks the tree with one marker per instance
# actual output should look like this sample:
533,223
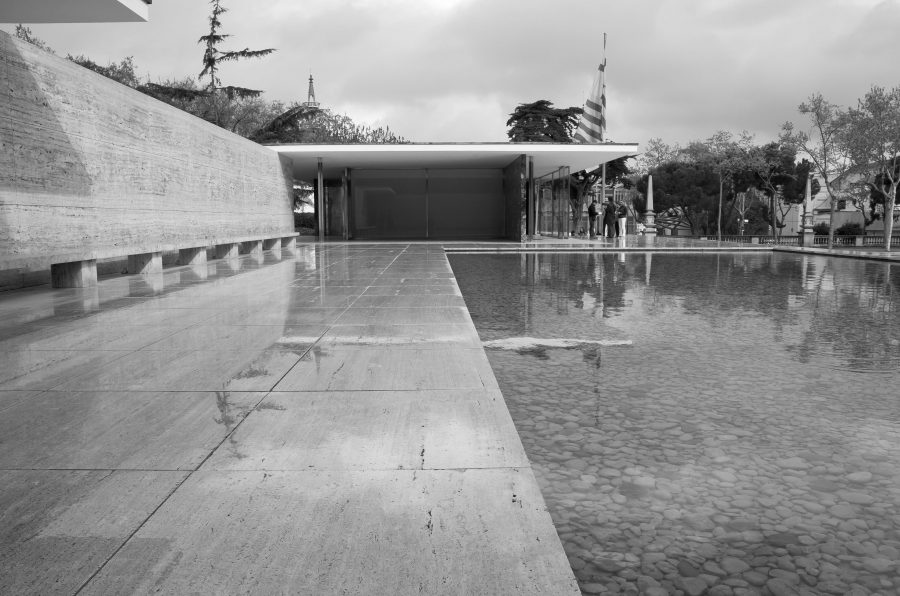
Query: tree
540,122
581,183
684,191
727,158
656,153
213,56
777,177
873,142
25,34
826,147
222,101
240,115
307,124
123,72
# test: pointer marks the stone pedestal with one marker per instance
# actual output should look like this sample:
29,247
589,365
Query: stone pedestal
192,256
807,237
253,247
649,223
227,251
145,263
77,274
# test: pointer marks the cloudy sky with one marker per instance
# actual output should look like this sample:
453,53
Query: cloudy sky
452,70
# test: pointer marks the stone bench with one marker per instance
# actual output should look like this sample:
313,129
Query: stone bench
79,269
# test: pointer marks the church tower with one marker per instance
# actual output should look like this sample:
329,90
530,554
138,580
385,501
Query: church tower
311,95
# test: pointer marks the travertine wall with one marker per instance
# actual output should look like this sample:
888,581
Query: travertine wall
91,169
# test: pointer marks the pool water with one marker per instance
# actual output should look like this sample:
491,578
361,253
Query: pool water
705,424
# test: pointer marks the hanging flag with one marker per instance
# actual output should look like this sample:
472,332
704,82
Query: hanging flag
592,126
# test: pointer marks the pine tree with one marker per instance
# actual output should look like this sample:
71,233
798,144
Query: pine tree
212,56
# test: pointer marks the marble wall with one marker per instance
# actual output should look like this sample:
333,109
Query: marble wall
90,168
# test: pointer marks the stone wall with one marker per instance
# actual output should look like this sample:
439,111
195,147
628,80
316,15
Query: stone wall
90,168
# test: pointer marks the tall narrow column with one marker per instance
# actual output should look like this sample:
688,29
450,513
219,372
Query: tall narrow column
530,203
649,215
320,199
345,197
808,235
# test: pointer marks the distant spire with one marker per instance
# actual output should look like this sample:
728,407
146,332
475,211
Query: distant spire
311,96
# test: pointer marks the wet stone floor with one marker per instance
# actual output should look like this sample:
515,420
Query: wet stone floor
705,424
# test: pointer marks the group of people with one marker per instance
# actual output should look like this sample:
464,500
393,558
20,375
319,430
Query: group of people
612,225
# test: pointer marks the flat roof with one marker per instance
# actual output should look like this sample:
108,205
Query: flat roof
548,157
74,11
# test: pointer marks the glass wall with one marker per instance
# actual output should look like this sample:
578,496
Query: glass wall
389,204
465,204
433,204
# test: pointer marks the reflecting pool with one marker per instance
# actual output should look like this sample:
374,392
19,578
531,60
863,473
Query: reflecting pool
705,424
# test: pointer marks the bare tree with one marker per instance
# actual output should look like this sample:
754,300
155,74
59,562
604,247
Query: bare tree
657,153
825,146
873,140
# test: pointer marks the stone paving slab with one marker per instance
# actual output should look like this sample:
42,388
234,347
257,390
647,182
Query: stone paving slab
259,431
57,528
119,429
374,430
374,368
383,532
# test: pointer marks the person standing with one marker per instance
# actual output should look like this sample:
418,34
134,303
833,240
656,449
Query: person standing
622,214
592,218
609,220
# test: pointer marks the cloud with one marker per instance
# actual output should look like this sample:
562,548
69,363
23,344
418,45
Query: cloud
452,70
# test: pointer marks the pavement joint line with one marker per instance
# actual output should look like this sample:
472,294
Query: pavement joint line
131,535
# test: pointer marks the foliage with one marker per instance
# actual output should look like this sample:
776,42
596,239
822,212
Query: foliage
306,124
826,145
850,229
684,192
25,34
775,168
540,122
123,72
872,138
305,222
581,183
213,56
728,158
230,107
821,229
655,154
240,115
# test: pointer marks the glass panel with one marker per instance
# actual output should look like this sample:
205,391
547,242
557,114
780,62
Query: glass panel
465,204
388,203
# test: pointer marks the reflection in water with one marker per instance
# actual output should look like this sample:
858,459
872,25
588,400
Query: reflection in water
745,442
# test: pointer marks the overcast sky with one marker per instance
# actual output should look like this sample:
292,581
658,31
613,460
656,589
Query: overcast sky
453,70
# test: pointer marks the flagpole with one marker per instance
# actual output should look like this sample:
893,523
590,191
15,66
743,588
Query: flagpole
603,170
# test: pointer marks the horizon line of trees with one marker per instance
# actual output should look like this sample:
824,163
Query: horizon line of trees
729,184
854,152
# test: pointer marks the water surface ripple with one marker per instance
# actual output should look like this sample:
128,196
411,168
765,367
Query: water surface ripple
705,424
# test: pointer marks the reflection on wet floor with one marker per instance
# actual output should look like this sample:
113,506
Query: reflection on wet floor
306,424
738,434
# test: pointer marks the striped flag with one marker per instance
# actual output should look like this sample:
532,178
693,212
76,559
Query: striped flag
592,127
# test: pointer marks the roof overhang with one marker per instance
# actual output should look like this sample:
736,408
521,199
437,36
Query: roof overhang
548,157
74,11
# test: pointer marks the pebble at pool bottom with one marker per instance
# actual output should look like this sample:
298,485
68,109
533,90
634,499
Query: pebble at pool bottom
719,424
